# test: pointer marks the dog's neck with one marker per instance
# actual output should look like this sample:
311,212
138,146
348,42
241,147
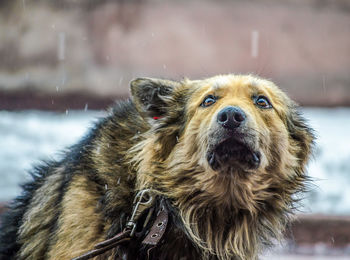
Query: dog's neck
220,228
228,216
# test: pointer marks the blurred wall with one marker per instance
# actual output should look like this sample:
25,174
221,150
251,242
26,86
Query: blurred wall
59,51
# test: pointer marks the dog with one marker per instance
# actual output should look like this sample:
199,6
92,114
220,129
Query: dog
221,160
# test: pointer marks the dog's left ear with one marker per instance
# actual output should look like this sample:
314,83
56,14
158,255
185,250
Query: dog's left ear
152,96
301,134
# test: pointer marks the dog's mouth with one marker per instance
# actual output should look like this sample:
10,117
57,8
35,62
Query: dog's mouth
235,154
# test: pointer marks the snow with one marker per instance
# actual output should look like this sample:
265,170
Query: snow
29,137
330,167
255,44
26,138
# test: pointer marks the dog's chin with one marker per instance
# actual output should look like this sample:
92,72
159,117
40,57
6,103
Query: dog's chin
233,154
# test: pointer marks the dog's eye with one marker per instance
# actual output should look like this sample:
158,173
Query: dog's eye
263,102
208,101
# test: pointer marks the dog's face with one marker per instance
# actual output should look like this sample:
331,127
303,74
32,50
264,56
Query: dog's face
239,122
228,147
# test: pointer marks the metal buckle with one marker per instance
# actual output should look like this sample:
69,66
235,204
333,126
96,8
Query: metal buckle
144,199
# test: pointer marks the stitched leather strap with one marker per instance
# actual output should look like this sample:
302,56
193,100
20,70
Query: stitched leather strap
116,238
106,245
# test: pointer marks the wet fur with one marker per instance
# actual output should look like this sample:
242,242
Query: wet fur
85,198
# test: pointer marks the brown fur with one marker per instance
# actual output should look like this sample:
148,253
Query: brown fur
227,213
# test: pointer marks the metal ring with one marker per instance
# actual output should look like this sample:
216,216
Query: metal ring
160,224
155,235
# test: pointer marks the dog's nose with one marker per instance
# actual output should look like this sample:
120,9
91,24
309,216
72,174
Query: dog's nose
231,117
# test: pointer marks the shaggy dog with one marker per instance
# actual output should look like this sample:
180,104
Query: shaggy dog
224,156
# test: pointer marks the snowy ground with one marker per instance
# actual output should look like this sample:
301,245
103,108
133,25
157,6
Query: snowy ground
28,137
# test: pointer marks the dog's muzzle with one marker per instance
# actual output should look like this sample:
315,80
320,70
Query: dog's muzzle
232,143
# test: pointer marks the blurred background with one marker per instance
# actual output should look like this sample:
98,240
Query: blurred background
64,62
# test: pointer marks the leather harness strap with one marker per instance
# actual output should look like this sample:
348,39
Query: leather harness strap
152,238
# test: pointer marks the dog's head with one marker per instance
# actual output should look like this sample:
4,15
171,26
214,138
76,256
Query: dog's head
229,124
235,145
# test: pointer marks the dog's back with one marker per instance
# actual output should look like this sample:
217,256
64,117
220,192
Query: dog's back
74,199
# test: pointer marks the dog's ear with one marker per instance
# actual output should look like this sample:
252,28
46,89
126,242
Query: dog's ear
301,134
152,96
